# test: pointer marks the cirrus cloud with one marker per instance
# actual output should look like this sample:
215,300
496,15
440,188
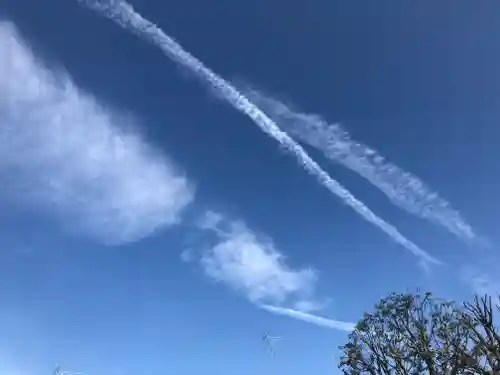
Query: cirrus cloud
65,153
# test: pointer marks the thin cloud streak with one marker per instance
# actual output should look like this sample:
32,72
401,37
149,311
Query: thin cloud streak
402,188
63,153
124,15
310,318
483,278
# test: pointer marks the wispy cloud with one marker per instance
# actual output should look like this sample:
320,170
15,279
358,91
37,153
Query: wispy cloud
310,318
252,265
485,284
402,188
483,279
124,15
62,151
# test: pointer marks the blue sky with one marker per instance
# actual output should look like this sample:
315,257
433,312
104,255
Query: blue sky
179,180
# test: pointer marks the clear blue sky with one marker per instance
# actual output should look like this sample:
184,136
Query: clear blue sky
149,226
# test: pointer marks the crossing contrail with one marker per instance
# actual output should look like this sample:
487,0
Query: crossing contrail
125,16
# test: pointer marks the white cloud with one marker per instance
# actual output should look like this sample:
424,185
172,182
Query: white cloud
252,265
187,255
211,220
481,281
310,305
310,318
402,188
484,284
62,151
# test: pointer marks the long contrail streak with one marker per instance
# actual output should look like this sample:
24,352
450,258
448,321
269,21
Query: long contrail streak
310,318
125,16
401,187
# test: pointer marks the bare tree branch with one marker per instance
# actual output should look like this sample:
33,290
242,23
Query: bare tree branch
410,334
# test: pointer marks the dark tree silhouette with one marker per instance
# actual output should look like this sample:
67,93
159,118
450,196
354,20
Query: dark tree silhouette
410,334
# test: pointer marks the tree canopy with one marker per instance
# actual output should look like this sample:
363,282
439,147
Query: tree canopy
410,334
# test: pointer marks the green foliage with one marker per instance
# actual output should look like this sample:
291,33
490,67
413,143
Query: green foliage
410,334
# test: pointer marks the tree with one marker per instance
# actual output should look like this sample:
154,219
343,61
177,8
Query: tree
410,334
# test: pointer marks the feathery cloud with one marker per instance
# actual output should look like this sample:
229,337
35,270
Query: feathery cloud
252,265
402,188
63,152
480,279
310,318
125,16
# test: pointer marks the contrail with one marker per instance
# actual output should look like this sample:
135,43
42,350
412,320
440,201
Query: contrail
125,16
402,188
310,318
